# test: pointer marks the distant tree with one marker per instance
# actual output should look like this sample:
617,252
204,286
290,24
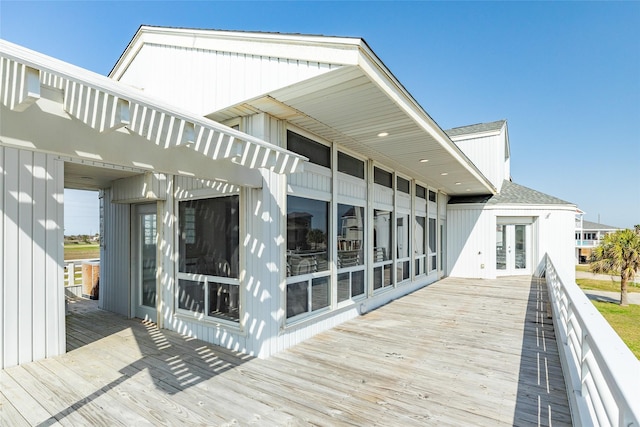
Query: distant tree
618,252
315,236
637,228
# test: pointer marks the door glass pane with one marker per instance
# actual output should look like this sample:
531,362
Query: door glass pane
520,245
501,247
148,297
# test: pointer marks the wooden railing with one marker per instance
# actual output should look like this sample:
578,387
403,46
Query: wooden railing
601,373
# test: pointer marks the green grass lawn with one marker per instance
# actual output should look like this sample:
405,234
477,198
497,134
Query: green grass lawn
583,267
81,251
604,285
625,321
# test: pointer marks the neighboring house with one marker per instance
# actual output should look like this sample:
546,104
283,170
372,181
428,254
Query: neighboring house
256,189
588,236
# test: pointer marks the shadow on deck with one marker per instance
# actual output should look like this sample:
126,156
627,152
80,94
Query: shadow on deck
458,352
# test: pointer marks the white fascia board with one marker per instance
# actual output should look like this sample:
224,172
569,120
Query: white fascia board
381,76
330,50
476,135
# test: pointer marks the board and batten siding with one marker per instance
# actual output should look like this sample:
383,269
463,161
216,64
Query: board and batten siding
488,154
31,256
203,81
115,256
471,238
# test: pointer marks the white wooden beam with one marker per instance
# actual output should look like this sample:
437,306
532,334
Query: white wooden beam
19,85
99,110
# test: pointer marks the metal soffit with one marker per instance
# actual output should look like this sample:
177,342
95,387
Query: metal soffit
348,107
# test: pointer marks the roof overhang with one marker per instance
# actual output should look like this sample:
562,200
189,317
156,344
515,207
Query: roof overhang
51,106
356,103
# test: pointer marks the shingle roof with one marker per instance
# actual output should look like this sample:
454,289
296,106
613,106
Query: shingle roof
510,194
588,225
477,128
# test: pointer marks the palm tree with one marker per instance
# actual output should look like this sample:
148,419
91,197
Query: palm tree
618,252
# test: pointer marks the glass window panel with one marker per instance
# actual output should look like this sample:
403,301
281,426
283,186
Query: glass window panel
421,192
405,270
357,283
319,293
521,244
433,262
419,236
224,301
209,236
382,235
501,247
402,185
387,275
297,298
432,235
382,177
343,286
307,238
350,239
317,153
432,196
417,267
377,278
350,165
191,295
402,230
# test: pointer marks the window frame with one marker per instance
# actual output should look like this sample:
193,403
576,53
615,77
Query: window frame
205,280
309,277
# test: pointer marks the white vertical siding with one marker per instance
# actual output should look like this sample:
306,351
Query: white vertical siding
31,265
403,201
315,178
487,153
471,238
167,255
469,243
383,196
204,81
115,257
351,187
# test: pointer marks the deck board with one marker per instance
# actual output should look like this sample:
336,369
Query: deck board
458,352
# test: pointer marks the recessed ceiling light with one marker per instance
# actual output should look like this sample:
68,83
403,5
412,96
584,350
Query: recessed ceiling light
468,189
458,183
444,173
424,160
382,134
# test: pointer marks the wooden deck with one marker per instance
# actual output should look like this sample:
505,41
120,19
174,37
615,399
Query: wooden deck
459,352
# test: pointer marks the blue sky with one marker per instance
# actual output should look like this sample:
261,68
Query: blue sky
566,75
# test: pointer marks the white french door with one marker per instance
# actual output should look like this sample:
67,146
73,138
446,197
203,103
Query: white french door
513,249
144,238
